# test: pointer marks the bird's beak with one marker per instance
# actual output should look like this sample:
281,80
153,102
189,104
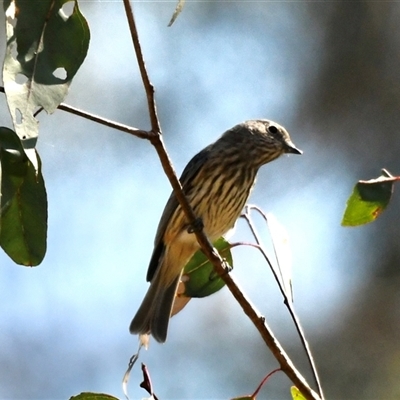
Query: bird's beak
292,149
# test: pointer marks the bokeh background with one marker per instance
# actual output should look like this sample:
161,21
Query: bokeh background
330,73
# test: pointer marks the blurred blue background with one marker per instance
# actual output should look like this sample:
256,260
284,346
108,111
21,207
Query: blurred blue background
329,73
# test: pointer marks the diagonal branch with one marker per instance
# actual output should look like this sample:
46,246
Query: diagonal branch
155,137
286,301
148,86
104,121
213,255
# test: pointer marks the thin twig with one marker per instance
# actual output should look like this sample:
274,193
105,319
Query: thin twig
148,87
212,254
286,301
257,391
100,120
246,216
155,138
107,122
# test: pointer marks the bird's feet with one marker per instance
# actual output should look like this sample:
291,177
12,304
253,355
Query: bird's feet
196,226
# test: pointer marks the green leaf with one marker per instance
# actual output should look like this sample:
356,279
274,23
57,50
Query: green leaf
47,41
199,276
23,223
368,200
13,166
93,396
296,394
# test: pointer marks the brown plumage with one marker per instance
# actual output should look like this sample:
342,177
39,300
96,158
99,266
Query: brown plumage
217,183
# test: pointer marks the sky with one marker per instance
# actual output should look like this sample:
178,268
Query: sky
64,324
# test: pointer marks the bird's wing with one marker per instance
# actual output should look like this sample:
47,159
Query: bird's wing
190,171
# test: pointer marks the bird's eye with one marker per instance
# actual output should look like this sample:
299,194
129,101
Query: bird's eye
272,129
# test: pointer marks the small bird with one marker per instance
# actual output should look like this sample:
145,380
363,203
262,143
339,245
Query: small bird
217,183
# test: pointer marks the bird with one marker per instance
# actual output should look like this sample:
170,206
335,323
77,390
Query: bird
217,183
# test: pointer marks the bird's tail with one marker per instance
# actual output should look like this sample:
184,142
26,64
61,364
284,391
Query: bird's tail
154,312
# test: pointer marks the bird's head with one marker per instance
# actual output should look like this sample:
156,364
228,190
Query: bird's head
261,140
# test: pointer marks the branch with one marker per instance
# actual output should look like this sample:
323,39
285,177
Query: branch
154,136
213,255
286,301
148,87
100,120
104,121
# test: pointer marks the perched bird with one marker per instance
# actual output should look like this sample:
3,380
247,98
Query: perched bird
217,183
